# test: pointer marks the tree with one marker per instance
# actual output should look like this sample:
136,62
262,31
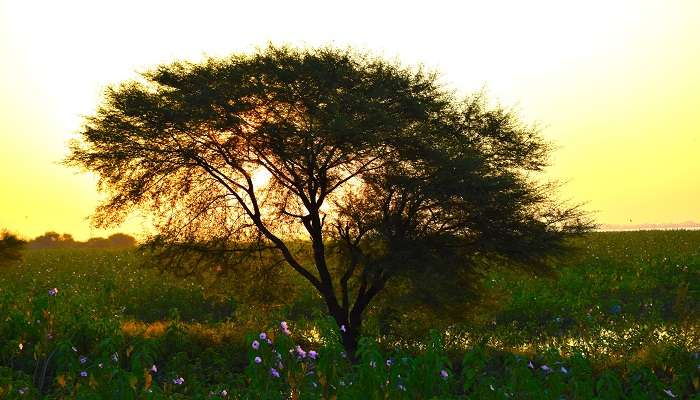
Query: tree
10,248
386,174
52,240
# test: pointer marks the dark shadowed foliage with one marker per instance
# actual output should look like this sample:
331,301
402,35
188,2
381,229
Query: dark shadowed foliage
10,248
390,180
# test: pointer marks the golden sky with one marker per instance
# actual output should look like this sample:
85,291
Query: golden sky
615,84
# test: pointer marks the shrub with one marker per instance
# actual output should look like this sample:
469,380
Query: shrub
10,248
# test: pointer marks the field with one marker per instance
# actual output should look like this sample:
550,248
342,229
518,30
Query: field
620,320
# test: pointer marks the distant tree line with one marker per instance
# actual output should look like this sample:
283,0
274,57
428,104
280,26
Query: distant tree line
11,246
51,240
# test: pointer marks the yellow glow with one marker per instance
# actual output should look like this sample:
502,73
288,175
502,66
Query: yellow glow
614,83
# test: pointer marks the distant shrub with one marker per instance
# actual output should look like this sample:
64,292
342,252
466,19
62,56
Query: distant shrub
10,248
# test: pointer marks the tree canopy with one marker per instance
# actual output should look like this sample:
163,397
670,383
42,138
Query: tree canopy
389,176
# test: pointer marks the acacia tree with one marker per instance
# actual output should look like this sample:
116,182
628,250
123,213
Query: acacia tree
386,174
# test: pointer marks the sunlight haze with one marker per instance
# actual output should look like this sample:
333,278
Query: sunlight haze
613,84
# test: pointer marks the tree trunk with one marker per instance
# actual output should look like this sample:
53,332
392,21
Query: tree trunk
349,330
350,339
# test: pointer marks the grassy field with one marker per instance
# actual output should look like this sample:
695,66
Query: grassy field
620,320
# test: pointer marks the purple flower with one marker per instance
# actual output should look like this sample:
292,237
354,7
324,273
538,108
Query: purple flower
256,344
53,292
269,341
154,369
179,380
300,351
274,373
670,393
83,374
313,354
263,335
545,368
285,328
564,370
444,374
342,328
530,365
389,362
258,360
82,359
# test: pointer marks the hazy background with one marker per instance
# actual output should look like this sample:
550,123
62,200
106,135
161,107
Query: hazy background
614,84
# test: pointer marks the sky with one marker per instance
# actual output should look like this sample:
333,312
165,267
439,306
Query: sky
613,84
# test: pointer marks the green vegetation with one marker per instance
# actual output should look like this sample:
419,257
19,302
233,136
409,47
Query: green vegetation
619,321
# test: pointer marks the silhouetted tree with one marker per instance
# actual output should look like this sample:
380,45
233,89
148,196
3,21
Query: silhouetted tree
390,176
121,241
10,248
52,240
